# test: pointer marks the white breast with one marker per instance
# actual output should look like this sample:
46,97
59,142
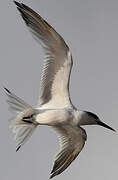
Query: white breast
53,117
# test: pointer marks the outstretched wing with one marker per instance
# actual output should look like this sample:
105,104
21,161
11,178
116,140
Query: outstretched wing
57,63
72,141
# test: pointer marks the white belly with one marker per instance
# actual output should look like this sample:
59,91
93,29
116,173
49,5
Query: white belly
53,117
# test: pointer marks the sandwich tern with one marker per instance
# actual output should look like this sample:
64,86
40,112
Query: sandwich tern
55,108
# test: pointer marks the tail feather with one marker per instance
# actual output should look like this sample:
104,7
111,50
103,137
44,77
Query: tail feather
16,103
23,125
22,134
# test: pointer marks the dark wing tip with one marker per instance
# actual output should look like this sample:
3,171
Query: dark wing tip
52,175
17,3
20,5
18,148
7,90
54,167
21,8
52,171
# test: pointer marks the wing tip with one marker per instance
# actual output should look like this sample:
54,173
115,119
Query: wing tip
17,3
22,8
53,173
19,6
51,176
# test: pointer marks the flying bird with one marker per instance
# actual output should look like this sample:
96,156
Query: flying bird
55,107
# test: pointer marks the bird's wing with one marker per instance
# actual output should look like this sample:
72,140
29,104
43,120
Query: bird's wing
57,63
72,141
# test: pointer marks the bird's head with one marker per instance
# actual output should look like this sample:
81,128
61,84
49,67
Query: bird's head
89,118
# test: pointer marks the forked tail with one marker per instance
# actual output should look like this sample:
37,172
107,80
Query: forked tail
24,124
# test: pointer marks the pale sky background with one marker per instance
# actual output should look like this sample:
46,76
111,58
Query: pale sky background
90,28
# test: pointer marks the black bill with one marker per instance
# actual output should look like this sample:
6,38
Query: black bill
105,125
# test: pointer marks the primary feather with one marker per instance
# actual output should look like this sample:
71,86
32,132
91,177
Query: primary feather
57,63
72,141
